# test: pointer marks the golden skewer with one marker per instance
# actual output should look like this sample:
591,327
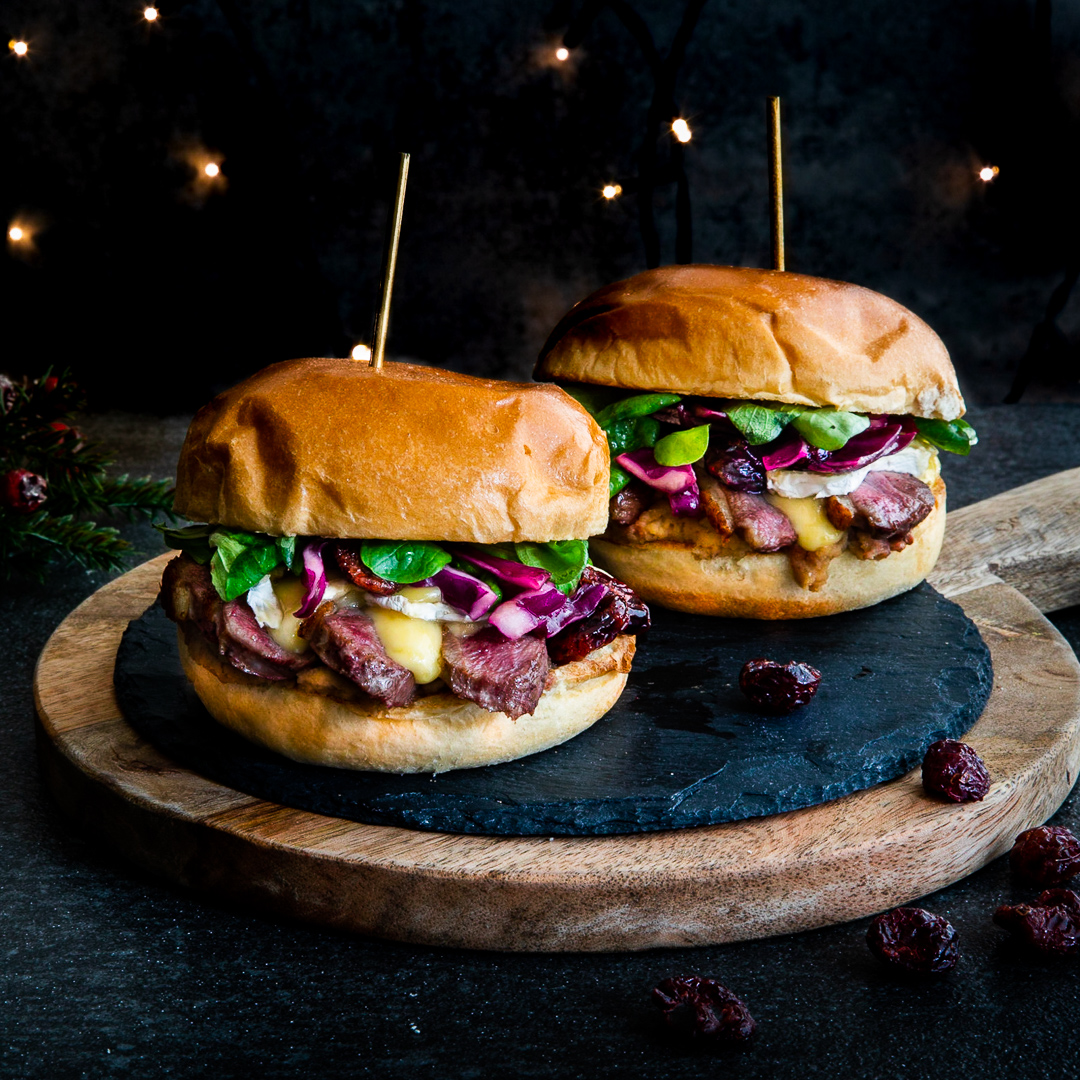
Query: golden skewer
776,184
382,324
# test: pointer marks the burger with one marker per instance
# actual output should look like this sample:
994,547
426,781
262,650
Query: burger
389,567
774,438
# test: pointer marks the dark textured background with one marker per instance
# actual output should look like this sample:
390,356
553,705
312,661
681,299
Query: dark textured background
139,269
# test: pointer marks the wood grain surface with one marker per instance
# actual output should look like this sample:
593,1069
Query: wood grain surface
864,853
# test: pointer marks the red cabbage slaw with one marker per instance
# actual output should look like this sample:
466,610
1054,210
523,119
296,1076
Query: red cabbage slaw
538,606
886,435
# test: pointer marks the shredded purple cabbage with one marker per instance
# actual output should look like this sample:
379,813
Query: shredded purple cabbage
862,449
670,479
785,451
314,575
463,592
526,611
686,503
511,573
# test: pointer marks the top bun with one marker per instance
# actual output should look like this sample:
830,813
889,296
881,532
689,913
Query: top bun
735,332
337,448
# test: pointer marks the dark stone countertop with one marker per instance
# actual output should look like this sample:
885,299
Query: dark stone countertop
109,973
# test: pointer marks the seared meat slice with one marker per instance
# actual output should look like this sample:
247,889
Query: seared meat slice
622,611
188,594
626,507
758,522
247,646
811,568
347,642
891,504
497,673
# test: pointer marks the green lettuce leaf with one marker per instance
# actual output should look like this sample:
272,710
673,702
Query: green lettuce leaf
829,429
683,447
192,540
403,561
956,436
241,560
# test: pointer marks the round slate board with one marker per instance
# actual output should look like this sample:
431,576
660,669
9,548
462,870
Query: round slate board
680,748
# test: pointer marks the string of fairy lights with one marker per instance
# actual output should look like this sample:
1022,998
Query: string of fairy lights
208,171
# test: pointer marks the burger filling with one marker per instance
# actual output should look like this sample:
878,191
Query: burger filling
396,620
725,477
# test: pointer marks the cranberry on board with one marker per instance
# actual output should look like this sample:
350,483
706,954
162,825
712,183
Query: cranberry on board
700,1008
1051,924
952,771
914,940
1047,855
778,688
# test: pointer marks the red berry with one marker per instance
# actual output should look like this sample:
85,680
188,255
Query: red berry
1048,855
24,491
1051,924
50,384
952,771
778,688
914,940
698,1008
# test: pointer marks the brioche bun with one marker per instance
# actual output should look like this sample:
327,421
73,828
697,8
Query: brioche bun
755,585
736,332
323,719
337,448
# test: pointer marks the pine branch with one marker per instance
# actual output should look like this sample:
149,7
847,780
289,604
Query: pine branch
140,498
83,542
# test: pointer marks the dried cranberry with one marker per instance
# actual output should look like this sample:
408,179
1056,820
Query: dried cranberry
952,771
622,611
698,1008
1051,924
348,558
914,940
778,688
1047,855
24,491
736,466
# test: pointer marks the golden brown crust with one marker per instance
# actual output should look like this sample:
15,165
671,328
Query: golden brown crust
326,723
739,583
735,332
336,448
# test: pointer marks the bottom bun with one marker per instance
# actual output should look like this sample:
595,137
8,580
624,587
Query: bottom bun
755,585
323,719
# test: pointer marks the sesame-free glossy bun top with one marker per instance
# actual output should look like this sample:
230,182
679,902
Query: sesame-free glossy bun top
736,332
337,448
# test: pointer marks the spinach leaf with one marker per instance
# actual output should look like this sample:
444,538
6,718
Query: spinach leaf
683,447
192,540
638,405
403,561
618,479
632,434
761,423
562,559
829,429
956,436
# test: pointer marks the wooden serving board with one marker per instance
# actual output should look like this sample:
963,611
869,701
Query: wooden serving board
830,863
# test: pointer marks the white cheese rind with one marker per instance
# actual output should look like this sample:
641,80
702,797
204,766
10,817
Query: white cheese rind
796,484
